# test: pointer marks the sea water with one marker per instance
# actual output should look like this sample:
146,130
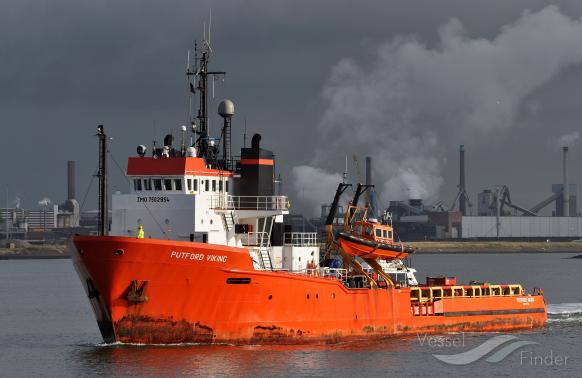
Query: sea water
47,328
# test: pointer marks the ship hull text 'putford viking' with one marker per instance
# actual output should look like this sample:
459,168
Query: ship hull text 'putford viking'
198,252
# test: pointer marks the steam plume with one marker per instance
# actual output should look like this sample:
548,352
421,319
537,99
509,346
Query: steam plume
403,105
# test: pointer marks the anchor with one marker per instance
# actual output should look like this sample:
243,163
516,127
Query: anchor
136,293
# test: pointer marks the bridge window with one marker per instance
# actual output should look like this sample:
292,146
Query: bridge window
220,186
137,184
147,184
389,234
189,184
226,188
206,185
158,184
195,185
214,185
385,232
378,233
178,184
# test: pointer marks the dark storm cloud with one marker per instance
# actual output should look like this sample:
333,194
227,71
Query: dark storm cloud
68,65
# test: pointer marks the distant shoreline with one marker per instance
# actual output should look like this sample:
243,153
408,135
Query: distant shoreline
436,247
35,252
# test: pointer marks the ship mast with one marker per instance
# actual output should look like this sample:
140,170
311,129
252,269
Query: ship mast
102,174
200,74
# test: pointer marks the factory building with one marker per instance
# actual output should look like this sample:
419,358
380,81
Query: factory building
521,227
497,215
49,220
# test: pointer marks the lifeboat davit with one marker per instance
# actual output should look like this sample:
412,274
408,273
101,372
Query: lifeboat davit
372,240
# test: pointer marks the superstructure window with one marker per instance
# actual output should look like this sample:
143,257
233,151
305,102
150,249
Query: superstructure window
226,188
178,184
386,234
195,185
214,185
389,234
137,184
167,184
158,184
147,184
378,233
220,186
189,184
206,185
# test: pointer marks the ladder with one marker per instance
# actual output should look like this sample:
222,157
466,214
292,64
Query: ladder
265,258
229,220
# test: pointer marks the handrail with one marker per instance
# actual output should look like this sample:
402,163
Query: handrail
338,273
427,293
255,239
300,239
229,202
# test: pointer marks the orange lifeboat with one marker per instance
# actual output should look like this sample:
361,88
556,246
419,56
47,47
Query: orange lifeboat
372,240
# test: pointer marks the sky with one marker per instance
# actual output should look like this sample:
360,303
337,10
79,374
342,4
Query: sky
405,82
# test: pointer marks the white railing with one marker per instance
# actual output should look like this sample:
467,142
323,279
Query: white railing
249,202
300,239
255,239
338,273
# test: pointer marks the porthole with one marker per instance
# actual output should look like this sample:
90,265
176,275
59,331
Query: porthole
270,296
316,296
307,296
333,295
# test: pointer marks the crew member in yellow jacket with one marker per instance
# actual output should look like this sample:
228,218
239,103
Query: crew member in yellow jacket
140,233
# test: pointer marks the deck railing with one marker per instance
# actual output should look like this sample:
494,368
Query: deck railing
255,239
249,202
338,273
300,239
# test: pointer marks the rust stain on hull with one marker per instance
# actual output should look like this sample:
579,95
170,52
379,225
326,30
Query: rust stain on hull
147,330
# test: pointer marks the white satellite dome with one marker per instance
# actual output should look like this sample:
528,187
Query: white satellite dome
226,108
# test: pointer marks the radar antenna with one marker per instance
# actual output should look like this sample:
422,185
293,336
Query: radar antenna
198,75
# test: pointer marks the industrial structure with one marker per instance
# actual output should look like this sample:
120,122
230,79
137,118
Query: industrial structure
497,214
49,221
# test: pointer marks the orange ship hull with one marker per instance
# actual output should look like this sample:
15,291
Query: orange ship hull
157,291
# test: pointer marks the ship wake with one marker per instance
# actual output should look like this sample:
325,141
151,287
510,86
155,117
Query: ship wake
565,313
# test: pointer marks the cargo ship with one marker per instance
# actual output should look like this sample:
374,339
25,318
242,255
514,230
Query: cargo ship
197,252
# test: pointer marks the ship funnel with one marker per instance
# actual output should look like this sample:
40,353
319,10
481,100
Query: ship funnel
256,141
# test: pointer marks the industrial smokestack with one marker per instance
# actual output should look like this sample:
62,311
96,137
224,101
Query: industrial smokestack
462,203
565,189
70,179
368,170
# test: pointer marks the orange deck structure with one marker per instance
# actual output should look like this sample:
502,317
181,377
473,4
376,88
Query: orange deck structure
156,291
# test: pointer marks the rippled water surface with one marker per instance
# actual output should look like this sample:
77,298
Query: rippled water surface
47,329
